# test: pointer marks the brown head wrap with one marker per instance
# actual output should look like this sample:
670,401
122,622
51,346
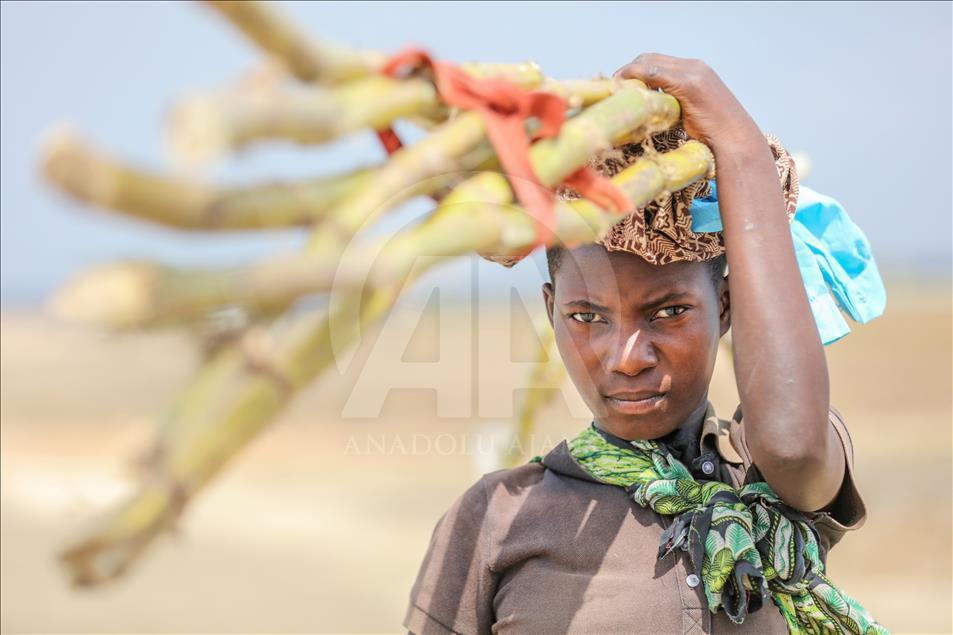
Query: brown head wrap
661,232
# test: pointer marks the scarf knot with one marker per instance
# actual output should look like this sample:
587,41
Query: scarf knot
745,544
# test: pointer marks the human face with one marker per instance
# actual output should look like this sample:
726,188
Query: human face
639,341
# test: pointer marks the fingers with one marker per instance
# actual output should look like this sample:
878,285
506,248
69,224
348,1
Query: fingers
644,62
708,108
655,69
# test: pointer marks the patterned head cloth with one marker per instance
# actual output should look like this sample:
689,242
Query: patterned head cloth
661,232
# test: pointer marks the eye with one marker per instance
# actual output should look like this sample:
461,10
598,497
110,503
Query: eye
669,312
587,318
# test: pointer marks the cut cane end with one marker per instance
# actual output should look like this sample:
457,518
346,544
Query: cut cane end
115,296
98,560
58,153
106,553
84,566
67,161
59,140
197,134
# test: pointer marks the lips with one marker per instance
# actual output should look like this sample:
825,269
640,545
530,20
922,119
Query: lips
635,402
635,395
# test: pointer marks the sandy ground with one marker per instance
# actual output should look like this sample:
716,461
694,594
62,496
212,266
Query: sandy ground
320,525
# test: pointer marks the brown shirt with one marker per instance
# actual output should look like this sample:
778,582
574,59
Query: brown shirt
545,548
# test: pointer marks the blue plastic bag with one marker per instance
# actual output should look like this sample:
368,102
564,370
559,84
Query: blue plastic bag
833,254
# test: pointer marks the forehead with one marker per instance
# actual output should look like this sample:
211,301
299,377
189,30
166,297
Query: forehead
594,271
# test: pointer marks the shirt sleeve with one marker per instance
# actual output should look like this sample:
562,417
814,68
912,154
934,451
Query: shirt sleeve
454,589
847,511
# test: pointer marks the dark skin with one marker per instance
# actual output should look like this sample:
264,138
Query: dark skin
639,341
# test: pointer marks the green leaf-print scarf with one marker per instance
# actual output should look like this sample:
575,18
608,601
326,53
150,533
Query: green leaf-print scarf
743,543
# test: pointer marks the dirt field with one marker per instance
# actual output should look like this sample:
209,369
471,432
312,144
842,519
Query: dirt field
322,523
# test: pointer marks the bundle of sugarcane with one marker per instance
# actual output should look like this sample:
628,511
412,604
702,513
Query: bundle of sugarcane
273,351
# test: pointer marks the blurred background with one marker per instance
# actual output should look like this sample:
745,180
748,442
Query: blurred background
322,523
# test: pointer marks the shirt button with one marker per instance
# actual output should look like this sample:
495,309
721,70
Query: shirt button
708,467
692,580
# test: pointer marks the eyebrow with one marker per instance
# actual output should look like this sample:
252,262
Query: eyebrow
586,304
671,296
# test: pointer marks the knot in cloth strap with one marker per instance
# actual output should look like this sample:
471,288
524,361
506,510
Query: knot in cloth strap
504,106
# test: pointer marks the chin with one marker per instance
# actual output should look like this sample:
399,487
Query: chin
649,418
637,421
638,428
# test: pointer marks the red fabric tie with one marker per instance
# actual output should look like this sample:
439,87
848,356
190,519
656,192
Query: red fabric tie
504,107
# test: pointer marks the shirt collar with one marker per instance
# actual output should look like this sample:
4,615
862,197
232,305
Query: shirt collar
686,443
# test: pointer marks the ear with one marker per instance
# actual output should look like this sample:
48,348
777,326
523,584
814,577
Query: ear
549,297
724,306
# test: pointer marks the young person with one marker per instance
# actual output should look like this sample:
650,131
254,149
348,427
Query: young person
661,517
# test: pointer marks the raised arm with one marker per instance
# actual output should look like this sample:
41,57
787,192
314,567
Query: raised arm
779,360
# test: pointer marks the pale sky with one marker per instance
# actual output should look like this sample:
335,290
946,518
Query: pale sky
864,89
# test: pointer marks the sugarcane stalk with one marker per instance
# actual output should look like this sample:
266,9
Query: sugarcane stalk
145,294
476,216
547,372
242,389
205,126
629,108
256,385
135,294
480,216
132,294
245,385
234,397
140,294
317,61
158,294
92,176
578,92
307,58
584,92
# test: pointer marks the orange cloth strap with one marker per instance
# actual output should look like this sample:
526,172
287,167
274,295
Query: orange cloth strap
504,106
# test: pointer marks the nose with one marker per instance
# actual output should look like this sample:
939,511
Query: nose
632,354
